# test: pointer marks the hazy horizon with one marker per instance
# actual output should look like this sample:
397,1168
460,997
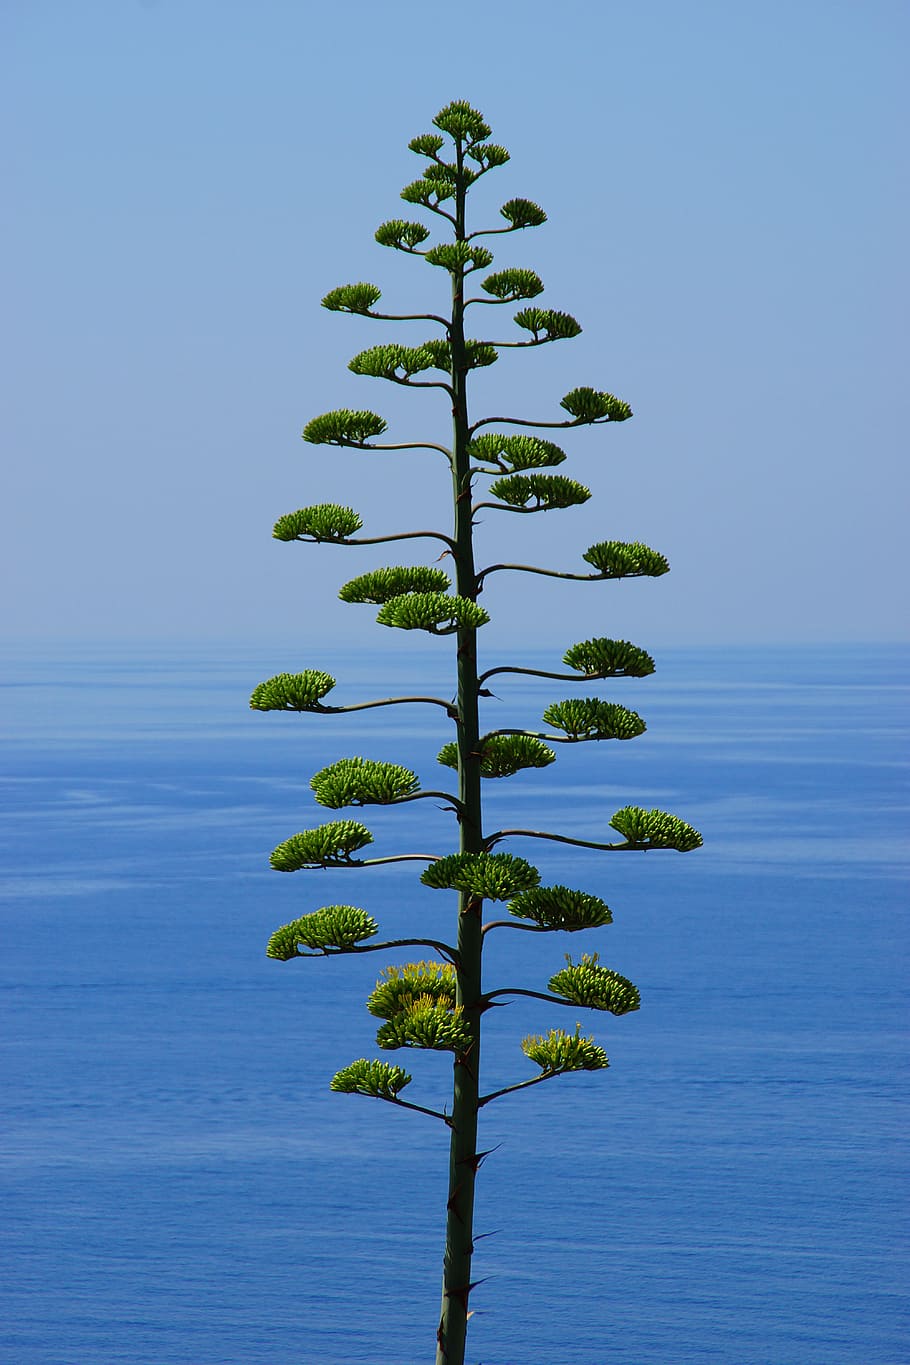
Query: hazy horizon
726,220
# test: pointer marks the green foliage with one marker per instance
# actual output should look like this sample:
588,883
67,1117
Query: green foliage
439,1005
591,718
522,213
352,298
328,845
477,354
595,987
548,325
427,144
513,284
462,122
544,491
326,521
492,876
380,585
488,154
399,988
557,1051
428,192
502,755
292,691
445,173
334,926
557,907
655,829
426,1024
377,1079
343,427
619,559
362,782
401,235
392,362
515,452
436,612
458,256
602,658
589,405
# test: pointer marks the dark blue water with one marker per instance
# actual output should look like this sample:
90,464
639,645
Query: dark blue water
180,1185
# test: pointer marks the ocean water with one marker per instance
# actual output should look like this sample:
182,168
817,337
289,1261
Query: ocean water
180,1186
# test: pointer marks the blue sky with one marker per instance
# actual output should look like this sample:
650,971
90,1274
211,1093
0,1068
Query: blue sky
727,198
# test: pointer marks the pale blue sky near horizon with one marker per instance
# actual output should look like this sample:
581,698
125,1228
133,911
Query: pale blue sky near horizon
727,198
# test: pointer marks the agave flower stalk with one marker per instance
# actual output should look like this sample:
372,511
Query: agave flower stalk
439,1004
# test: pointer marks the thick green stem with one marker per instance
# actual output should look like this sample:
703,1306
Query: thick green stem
463,1157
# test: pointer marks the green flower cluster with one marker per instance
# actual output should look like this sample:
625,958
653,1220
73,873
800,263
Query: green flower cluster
597,988
591,405
546,324
512,453
401,235
398,988
334,926
557,1051
379,585
602,658
352,298
591,718
377,1079
618,559
344,427
655,829
436,612
545,491
328,845
362,782
292,691
325,521
492,876
502,755
558,907
508,286
427,1024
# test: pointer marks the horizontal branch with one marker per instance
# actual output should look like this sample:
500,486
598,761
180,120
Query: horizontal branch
523,422
416,383
407,445
535,673
547,573
505,507
375,862
512,345
418,1108
446,949
434,208
558,838
513,924
406,317
522,1085
545,735
457,806
536,995
491,232
402,858
383,540
386,701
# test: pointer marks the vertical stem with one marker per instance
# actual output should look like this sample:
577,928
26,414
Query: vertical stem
463,1158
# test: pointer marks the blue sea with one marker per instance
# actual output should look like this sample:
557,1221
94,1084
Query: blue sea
182,1188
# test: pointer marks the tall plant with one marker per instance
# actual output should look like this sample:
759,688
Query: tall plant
440,1003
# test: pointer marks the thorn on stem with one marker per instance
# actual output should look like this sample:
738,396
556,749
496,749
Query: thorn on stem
452,1205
